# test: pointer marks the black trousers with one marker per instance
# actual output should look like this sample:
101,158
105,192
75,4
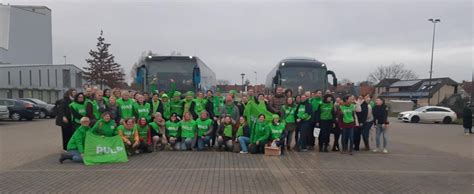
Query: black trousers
325,133
357,137
311,139
258,149
336,133
66,130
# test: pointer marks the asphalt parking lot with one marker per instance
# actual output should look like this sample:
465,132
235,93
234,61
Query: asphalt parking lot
423,158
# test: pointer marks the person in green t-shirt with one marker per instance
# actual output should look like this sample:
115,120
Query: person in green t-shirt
326,122
278,133
129,133
259,135
144,134
105,126
75,146
172,132
158,130
226,133
166,107
288,112
177,105
188,132
78,109
155,104
205,127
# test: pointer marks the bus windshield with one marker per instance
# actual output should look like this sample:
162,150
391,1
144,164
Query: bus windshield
310,78
179,70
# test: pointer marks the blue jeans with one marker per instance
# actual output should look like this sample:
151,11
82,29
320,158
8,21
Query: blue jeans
202,142
365,132
187,144
347,139
380,131
76,155
244,143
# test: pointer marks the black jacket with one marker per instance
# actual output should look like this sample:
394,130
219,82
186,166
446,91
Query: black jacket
362,115
380,114
467,117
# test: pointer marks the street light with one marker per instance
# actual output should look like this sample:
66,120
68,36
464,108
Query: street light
255,78
65,59
434,21
243,75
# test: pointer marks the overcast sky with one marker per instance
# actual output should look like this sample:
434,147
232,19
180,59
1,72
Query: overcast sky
352,37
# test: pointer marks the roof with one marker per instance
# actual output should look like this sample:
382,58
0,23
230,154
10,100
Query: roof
420,88
38,65
404,83
405,94
386,82
31,6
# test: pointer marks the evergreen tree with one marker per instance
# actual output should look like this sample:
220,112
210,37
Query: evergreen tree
103,70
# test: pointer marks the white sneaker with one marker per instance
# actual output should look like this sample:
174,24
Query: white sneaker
385,151
242,152
467,134
375,150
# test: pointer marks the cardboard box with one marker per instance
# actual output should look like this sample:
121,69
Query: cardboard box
269,151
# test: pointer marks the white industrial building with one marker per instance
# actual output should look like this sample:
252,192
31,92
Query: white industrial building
45,82
25,35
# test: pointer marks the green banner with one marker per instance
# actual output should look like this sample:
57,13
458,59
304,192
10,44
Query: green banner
103,150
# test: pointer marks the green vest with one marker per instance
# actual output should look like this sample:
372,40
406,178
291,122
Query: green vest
240,131
326,112
217,102
228,130
188,128
277,130
142,132
143,111
79,108
172,128
203,126
154,106
104,128
302,113
126,108
187,105
315,102
347,113
177,107
155,126
289,113
95,108
166,110
200,105
128,132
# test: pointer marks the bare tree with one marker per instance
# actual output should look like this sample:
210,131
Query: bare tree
393,71
345,81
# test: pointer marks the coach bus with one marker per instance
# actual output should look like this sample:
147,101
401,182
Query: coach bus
188,72
300,74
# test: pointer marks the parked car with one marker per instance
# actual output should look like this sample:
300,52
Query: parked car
46,110
4,113
20,109
434,114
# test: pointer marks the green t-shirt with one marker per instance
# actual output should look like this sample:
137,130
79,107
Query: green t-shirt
326,112
187,105
217,102
172,128
155,126
95,108
203,126
199,105
126,108
166,110
302,113
177,107
188,128
277,130
347,113
260,132
315,102
154,106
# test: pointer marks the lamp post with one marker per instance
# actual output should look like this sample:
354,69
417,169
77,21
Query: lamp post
434,21
65,59
243,86
255,77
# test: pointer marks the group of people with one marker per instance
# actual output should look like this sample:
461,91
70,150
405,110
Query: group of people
243,123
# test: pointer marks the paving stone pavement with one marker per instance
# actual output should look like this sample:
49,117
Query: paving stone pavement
409,168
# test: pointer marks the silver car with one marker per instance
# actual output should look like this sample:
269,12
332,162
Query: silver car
4,113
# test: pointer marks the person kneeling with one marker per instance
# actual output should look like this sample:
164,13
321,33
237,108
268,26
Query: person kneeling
144,136
75,146
188,132
128,132
259,135
278,133
226,134
172,132
157,132
205,128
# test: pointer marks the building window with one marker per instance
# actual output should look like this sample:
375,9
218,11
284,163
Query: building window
9,94
21,82
78,80
39,73
20,93
31,80
48,76
66,78
56,76
9,82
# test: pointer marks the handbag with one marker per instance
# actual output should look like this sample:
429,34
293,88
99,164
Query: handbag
316,132
236,147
